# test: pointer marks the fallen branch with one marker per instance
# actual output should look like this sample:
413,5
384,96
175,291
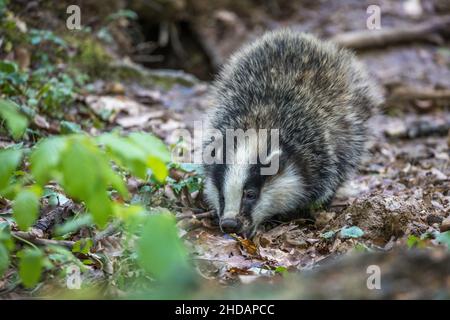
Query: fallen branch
32,237
50,218
411,93
426,31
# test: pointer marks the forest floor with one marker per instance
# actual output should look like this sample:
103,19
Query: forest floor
400,198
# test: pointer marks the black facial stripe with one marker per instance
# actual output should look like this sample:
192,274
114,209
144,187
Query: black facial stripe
254,181
254,178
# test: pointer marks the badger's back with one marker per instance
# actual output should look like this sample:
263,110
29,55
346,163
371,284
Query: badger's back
296,73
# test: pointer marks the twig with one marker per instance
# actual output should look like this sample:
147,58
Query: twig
23,240
412,93
28,237
425,31
207,214
110,230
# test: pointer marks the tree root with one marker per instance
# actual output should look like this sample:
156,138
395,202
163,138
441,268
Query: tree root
427,31
412,93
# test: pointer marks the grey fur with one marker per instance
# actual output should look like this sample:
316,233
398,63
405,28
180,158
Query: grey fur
317,95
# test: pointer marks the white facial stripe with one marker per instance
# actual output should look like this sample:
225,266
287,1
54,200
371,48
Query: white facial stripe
212,194
282,193
235,176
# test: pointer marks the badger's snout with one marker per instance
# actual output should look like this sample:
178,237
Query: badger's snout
230,225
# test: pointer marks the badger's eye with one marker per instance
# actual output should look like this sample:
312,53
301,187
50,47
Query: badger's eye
250,194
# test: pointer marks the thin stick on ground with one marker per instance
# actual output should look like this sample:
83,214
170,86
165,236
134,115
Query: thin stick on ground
413,93
30,237
207,214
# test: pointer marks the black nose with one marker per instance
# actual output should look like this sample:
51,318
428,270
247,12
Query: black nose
230,225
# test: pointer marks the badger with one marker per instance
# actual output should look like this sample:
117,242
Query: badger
317,97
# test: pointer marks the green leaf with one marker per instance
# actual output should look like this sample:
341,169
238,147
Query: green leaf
26,207
4,231
4,259
351,232
132,215
55,198
281,269
37,36
361,247
8,67
157,154
160,251
159,168
138,152
115,181
412,241
45,158
3,4
100,206
328,234
83,246
126,153
444,238
80,169
74,224
30,266
16,121
70,127
152,145
123,13
84,178
9,160
5,236
58,256
192,167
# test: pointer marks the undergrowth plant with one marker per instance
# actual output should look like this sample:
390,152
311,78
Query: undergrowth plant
88,169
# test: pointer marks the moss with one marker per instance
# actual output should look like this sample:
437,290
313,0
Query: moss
91,57
129,72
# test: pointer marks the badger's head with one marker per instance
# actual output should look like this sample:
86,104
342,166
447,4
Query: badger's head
245,193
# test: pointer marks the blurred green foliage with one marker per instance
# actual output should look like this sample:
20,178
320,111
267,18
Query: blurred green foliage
82,166
45,79
15,121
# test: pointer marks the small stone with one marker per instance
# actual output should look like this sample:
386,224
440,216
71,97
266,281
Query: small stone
41,122
438,174
115,88
437,205
445,226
